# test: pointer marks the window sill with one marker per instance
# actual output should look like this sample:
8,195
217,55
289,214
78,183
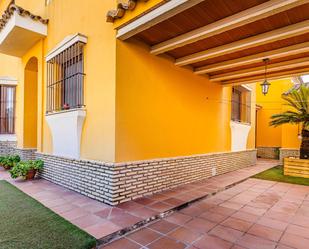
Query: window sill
65,111
8,137
240,122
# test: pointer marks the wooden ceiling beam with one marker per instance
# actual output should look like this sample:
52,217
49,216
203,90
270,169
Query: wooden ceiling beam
261,39
155,16
285,65
247,60
253,14
273,76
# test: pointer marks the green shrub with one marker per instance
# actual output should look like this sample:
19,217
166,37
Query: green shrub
9,161
22,168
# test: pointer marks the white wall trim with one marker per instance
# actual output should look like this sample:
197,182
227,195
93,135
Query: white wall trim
24,22
248,88
66,43
239,135
66,129
8,81
8,137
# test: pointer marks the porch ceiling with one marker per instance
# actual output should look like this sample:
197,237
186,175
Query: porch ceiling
227,40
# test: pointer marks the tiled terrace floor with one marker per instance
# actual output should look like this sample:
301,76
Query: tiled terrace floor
102,220
254,214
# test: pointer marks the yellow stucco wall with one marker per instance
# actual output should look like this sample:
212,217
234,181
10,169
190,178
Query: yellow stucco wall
285,136
164,111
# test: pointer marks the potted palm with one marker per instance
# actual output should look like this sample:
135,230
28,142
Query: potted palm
297,113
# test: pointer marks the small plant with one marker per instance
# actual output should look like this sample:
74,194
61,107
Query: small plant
27,169
10,161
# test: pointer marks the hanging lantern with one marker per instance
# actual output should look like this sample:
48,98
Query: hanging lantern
265,85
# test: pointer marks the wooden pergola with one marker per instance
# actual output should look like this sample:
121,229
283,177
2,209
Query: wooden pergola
227,40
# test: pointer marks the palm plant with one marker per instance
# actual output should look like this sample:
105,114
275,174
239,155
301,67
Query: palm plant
298,113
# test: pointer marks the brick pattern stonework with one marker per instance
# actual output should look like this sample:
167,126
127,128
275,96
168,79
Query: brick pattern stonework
268,152
284,152
114,183
7,147
10,147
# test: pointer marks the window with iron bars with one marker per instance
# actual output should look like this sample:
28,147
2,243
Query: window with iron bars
241,105
65,79
7,109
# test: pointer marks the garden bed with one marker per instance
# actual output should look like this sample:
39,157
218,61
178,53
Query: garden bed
25,223
276,174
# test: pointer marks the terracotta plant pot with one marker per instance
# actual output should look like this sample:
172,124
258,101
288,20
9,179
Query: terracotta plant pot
7,167
31,174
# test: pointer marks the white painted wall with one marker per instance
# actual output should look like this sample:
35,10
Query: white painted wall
66,129
239,132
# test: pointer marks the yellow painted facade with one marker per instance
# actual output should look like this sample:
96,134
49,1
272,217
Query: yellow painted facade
138,106
285,136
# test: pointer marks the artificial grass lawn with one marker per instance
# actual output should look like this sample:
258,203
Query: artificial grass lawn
27,224
276,174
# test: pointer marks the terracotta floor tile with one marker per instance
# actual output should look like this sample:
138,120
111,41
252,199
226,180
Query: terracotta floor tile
245,216
122,244
192,211
214,217
200,225
294,241
160,207
253,210
144,236
144,201
166,243
212,242
238,247
265,232
104,213
226,233
280,246
63,208
129,206
276,224
298,230
163,226
103,229
300,220
178,218
174,202
237,224
223,210
144,213
125,220
184,234
279,216
253,242
87,221
74,214
232,205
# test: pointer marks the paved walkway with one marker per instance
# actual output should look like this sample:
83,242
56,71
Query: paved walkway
105,222
254,214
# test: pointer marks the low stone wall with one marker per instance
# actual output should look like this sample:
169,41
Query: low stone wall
114,183
268,152
10,147
91,178
285,152
7,147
